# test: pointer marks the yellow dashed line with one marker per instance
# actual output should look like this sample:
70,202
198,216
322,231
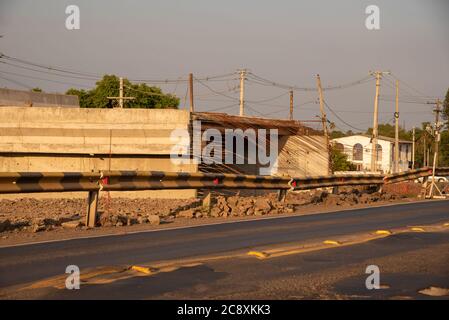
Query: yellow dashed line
258,254
335,243
417,229
446,224
145,270
380,232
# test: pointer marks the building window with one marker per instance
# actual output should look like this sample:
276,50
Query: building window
406,151
379,153
339,147
357,152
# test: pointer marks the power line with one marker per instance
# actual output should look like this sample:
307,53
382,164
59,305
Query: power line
43,79
47,72
338,117
263,81
16,82
59,69
214,91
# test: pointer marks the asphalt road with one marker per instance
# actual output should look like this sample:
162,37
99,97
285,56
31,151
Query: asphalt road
28,263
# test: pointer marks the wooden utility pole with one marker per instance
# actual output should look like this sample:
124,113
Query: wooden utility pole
435,153
324,119
378,75
291,104
242,91
121,98
413,149
424,150
396,134
192,109
437,111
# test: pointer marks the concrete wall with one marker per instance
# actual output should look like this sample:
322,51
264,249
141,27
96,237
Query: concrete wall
68,139
10,97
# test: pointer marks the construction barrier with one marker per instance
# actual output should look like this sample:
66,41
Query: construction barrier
94,182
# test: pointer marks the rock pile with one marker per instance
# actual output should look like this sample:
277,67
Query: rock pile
352,197
43,215
238,207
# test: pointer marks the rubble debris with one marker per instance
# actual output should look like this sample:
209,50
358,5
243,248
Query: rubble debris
34,215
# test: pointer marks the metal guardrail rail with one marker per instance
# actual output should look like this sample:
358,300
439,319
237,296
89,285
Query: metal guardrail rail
158,180
305,183
94,182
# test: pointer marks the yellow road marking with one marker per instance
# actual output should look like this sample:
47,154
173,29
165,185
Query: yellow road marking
258,254
145,270
380,232
335,243
417,229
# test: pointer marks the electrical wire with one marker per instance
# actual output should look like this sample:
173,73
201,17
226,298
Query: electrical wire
263,81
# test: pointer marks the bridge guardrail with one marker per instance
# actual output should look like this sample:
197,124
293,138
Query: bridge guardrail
94,182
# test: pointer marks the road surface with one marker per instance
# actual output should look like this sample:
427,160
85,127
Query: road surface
33,262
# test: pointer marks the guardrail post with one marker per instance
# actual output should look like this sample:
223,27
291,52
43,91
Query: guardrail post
282,194
92,204
207,202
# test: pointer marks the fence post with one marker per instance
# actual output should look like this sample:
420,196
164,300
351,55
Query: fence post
282,194
92,204
207,202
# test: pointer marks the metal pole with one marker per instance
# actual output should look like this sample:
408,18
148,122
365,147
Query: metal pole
191,92
324,119
413,149
291,104
242,92
424,150
375,124
396,135
92,204
437,120
120,100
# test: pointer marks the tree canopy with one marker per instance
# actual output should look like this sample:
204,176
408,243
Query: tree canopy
446,108
145,96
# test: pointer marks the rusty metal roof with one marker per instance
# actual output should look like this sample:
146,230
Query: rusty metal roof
223,120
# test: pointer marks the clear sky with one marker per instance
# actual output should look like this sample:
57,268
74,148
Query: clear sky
288,41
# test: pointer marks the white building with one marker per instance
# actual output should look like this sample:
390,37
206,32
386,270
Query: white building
358,149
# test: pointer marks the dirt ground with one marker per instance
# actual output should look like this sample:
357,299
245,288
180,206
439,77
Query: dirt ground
29,220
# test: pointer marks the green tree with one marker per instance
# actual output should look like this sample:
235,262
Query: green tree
108,86
339,161
36,89
388,130
446,108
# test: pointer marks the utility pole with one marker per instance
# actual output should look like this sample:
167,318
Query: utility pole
323,119
242,91
291,104
424,150
413,149
437,111
191,92
121,98
378,75
436,136
396,135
